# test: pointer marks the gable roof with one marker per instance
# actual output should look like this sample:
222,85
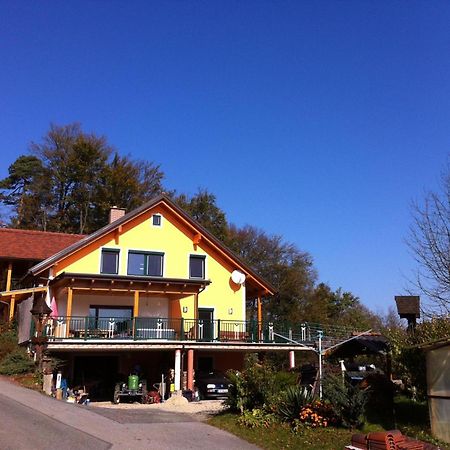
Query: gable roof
408,305
264,286
32,244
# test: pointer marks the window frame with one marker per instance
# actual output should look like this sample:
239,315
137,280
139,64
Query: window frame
146,255
115,251
203,259
160,220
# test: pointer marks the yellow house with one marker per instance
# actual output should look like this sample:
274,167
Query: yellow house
152,288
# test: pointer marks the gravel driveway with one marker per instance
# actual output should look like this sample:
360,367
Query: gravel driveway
124,427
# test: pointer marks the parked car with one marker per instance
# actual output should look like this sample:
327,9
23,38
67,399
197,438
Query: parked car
212,384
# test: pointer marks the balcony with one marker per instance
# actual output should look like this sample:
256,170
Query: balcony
170,330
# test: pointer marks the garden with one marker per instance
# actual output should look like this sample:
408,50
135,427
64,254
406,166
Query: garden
269,408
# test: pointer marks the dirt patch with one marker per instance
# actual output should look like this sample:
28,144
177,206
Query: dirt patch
203,407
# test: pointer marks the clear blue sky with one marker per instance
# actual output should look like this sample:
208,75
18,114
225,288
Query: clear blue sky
316,120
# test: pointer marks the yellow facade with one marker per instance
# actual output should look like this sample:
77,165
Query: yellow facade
175,240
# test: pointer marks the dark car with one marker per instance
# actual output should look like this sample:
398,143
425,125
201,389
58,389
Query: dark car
212,384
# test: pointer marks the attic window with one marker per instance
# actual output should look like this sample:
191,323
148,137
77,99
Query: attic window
109,261
197,266
156,220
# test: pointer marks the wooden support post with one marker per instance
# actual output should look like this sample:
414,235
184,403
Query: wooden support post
12,304
136,304
69,309
195,315
135,312
195,306
190,369
259,317
9,277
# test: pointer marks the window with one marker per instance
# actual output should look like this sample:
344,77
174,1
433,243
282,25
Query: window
110,261
145,264
156,220
117,312
196,266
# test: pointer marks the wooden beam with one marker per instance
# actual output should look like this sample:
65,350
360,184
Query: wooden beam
9,277
195,306
195,315
11,307
69,309
97,289
136,304
259,317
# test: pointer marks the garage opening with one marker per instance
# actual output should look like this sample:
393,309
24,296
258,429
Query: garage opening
96,374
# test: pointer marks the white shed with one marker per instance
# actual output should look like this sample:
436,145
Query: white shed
438,387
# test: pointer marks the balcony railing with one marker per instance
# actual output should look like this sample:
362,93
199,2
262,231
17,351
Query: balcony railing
154,328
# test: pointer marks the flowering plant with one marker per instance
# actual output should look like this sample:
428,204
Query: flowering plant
317,414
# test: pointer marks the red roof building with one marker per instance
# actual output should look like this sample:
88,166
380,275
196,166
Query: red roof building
21,249
33,245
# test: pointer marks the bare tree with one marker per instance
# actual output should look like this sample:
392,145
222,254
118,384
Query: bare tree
429,241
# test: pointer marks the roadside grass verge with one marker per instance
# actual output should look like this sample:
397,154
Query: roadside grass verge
411,418
280,436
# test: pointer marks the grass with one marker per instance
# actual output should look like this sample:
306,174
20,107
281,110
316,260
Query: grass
28,380
279,436
411,418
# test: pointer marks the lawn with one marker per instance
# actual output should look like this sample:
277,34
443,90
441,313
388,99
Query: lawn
410,417
279,436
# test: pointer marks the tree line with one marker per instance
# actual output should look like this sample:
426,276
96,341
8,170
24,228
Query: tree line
69,180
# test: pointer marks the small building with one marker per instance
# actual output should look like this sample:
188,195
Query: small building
438,387
408,307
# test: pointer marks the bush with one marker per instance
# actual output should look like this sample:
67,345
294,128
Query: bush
8,342
346,400
317,414
292,401
16,362
256,419
408,361
258,386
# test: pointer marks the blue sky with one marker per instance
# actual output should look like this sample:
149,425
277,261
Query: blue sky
319,121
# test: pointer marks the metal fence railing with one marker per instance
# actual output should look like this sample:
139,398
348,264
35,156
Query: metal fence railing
178,329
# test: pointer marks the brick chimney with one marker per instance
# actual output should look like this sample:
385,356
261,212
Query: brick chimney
116,213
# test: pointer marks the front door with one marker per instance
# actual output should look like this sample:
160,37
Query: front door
206,324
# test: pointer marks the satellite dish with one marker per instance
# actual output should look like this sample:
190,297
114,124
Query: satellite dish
237,277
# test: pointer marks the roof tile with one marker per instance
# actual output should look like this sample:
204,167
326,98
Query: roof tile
34,245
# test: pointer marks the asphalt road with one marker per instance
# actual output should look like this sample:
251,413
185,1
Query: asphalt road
30,420
25,428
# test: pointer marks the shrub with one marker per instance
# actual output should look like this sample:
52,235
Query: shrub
292,401
346,400
16,362
318,414
8,342
256,419
258,386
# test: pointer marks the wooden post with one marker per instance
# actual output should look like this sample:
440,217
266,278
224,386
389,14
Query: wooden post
195,315
259,317
135,312
69,309
190,370
12,304
9,277
136,304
